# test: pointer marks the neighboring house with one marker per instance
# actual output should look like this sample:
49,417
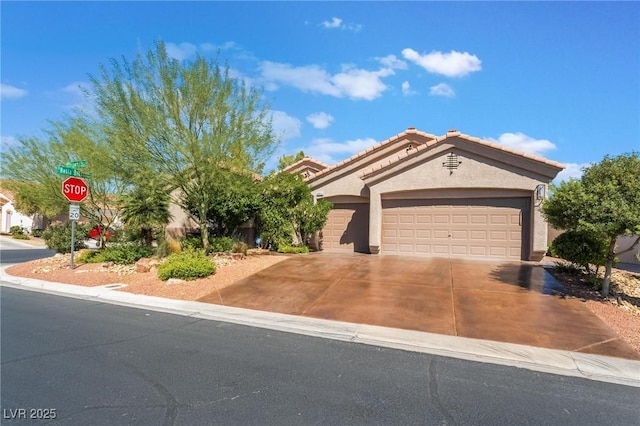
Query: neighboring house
307,166
420,194
10,217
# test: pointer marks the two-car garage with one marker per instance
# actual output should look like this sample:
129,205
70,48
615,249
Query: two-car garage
483,228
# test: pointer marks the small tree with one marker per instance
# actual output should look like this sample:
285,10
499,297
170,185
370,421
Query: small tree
286,160
605,202
288,213
145,208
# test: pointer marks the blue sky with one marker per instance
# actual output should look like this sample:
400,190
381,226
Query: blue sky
559,79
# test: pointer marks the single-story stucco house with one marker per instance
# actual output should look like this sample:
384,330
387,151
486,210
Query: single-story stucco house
420,194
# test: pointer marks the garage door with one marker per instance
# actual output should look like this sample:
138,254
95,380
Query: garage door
471,228
347,228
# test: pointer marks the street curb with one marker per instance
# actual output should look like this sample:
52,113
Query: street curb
565,363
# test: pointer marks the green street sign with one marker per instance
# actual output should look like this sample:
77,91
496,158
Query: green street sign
68,171
76,164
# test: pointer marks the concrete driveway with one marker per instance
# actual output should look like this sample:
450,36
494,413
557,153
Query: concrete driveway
507,302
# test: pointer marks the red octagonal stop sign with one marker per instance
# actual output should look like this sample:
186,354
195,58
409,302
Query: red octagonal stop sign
75,189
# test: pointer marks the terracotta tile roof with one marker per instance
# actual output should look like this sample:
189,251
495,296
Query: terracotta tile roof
368,151
306,160
452,134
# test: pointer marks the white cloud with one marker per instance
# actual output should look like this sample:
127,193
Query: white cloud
320,120
328,151
573,170
180,51
74,98
452,64
339,24
391,61
406,89
351,82
11,92
334,23
286,126
442,89
524,143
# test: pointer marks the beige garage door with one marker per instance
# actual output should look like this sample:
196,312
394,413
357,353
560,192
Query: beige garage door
347,228
480,228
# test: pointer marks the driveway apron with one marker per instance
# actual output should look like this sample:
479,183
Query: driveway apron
502,301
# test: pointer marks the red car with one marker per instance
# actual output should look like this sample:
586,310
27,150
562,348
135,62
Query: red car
96,231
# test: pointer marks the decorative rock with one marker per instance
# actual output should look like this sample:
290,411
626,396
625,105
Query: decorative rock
145,264
107,264
172,281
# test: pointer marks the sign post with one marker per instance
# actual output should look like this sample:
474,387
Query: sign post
75,190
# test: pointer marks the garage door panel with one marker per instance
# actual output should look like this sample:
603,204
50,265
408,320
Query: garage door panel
347,228
455,227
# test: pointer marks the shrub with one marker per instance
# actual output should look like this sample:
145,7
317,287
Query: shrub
58,237
293,249
240,247
220,244
191,242
90,257
16,230
37,232
20,236
567,268
186,265
581,248
125,254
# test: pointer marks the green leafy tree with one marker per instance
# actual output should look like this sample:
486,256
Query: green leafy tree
286,160
232,199
604,202
182,120
31,168
288,214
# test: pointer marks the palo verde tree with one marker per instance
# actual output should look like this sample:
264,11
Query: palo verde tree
182,121
285,161
605,202
31,168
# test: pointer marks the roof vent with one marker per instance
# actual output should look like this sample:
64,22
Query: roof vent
411,128
452,131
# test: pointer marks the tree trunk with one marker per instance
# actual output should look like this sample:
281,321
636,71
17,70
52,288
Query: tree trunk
204,229
607,269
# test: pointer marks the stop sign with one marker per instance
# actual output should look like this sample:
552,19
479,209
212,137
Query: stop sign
75,189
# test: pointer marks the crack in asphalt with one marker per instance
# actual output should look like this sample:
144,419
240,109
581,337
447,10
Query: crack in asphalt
435,396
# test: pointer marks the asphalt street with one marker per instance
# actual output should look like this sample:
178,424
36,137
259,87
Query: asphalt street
15,251
93,363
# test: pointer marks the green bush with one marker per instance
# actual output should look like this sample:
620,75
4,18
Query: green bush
122,254
191,242
16,230
58,237
581,248
186,265
125,254
567,268
293,249
37,232
20,237
240,247
220,244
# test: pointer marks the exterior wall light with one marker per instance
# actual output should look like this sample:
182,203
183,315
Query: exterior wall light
541,192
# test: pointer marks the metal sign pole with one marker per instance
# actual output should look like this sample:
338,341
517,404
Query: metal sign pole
74,214
73,240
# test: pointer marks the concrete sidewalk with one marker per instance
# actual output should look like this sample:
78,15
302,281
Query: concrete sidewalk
593,367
